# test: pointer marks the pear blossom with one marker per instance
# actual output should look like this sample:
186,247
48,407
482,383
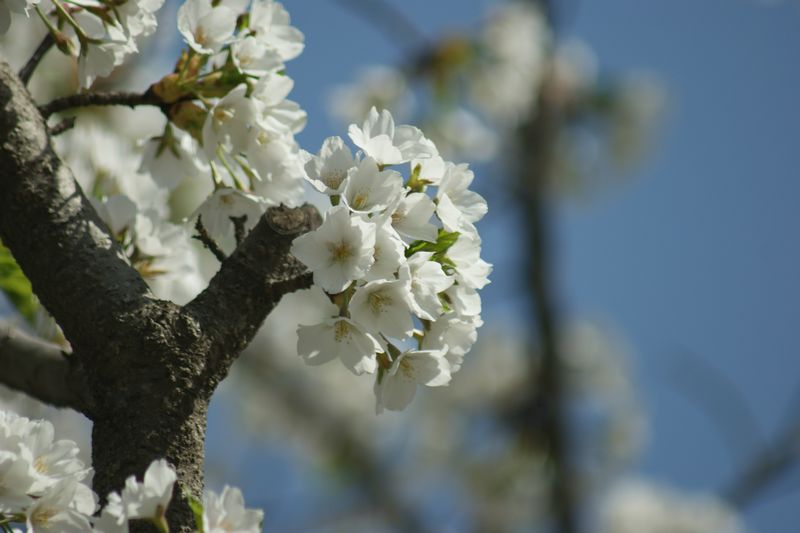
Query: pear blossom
278,164
454,336
17,478
383,307
412,217
149,498
389,253
274,112
229,122
226,513
369,189
253,57
339,251
338,338
427,280
224,203
204,27
398,385
471,270
138,16
13,6
271,25
51,461
118,211
458,207
173,158
327,171
389,145
56,512
464,301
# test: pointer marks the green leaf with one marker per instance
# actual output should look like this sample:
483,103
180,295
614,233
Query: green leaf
443,243
197,510
15,286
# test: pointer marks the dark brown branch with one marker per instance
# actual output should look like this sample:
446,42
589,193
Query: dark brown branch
240,231
40,369
44,46
250,283
65,125
210,244
76,268
100,99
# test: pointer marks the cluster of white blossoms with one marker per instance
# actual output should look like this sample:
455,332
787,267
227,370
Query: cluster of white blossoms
101,34
396,261
41,479
242,128
43,486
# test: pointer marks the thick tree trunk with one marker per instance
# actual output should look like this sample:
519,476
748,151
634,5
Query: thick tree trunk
143,370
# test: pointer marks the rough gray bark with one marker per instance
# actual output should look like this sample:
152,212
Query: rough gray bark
148,367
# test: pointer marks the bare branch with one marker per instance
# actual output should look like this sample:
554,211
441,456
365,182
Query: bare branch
100,99
74,264
40,369
250,283
210,244
27,71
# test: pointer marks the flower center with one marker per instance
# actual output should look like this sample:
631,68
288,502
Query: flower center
340,251
378,300
342,331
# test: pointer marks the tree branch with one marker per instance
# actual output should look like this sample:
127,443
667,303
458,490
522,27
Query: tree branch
250,283
27,71
73,262
40,369
100,99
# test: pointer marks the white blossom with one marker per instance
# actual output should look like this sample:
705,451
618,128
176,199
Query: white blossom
229,123
204,27
427,280
56,512
270,23
224,203
458,207
251,56
389,145
149,498
389,253
226,513
383,307
411,217
369,189
471,270
414,367
339,338
339,251
327,171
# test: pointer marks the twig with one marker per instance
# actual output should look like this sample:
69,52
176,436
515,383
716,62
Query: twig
27,71
208,242
765,468
713,392
100,99
394,22
239,228
65,125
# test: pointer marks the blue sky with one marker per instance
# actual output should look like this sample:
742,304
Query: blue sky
695,255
